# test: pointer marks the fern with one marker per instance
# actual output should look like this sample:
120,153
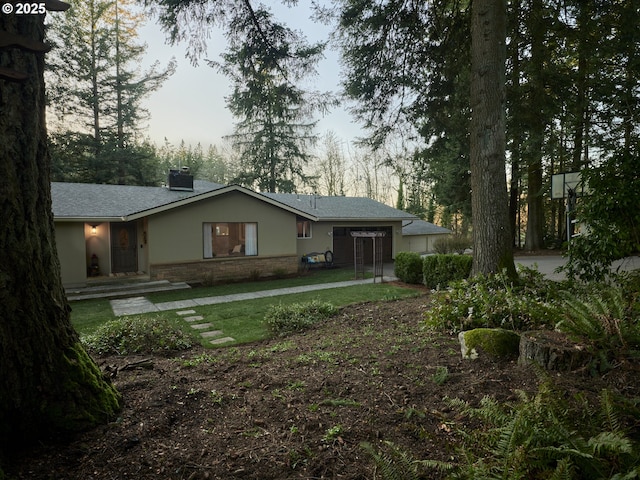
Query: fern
397,464
545,436
615,442
608,412
563,470
604,318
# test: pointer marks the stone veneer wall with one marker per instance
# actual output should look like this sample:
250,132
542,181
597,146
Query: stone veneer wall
222,269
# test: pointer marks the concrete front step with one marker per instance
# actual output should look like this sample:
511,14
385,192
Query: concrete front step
123,290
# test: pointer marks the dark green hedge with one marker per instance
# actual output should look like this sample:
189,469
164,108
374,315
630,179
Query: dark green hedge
408,267
439,270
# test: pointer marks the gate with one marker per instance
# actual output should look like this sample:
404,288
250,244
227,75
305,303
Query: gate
359,239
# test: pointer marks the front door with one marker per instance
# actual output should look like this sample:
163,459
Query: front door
124,242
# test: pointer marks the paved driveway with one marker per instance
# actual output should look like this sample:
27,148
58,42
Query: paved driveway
547,264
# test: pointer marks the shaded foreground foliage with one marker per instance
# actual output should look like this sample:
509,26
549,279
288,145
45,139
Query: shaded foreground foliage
603,317
302,406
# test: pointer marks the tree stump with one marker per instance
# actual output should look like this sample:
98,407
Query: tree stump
552,351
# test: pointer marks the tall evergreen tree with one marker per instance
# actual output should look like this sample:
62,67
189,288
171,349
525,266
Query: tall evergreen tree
610,144
49,386
265,60
537,120
407,65
491,233
97,90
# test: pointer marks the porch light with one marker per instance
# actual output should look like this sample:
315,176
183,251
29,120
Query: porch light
94,229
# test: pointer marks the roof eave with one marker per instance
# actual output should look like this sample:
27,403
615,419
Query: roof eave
363,219
89,219
424,233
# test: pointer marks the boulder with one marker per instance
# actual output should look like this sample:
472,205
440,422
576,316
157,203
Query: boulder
494,342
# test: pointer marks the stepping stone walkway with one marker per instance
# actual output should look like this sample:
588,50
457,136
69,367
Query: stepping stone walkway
220,341
204,328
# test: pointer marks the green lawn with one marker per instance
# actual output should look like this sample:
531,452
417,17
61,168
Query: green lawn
312,277
243,320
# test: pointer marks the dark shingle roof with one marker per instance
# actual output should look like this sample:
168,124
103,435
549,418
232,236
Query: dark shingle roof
340,208
420,227
83,201
86,200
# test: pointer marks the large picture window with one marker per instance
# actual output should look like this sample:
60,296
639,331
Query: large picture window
230,239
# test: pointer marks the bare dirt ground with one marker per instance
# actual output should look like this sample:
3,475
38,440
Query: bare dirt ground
296,407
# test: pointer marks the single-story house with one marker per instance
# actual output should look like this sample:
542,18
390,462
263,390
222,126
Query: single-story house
194,230
420,236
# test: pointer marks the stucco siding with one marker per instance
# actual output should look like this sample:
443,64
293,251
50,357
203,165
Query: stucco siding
70,242
418,243
98,245
320,241
176,235
421,243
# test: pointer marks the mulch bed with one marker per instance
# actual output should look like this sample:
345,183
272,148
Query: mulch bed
297,407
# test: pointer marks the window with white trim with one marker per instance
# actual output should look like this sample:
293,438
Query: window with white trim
304,228
230,239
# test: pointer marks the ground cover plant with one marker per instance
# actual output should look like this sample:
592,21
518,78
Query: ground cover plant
604,317
334,401
550,435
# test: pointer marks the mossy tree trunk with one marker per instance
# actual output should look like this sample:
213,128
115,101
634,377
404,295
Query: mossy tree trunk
48,384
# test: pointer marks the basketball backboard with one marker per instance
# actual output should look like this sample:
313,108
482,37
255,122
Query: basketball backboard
562,182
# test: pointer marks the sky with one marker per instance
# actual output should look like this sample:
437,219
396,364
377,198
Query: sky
190,105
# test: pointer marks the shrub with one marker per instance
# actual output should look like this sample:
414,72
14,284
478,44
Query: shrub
439,270
254,275
408,267
452,244
496,302
279,273
284,319
136,334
